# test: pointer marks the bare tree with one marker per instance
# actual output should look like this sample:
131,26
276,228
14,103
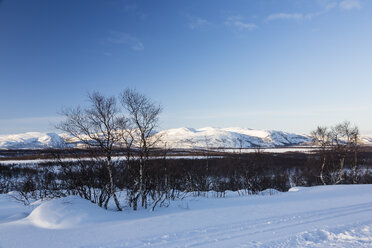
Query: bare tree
344,139
96,126
321,138
144,116
340,140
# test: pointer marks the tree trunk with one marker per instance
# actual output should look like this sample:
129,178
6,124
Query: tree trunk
322,170
355,176
140,190
112,187
339,178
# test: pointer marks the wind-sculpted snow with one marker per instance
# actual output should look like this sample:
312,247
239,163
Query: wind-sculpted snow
68,212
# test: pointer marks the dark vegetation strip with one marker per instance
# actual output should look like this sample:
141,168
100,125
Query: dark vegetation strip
166,179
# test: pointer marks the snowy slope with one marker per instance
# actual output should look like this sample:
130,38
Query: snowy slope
208,137
366,140
30,140
322,216
229,138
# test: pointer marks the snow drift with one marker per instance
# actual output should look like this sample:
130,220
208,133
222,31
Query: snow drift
68,212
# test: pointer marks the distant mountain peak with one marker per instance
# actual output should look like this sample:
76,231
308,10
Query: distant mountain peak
234,137
31,140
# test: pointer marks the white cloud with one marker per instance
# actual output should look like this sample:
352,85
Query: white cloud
130,7
238,22
350,4
291,16
327,5
134,9
138,46
119,38
330,6
196,22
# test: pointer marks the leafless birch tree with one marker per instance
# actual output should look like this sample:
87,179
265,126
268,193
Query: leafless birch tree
144,116
340,141
96,126
322,138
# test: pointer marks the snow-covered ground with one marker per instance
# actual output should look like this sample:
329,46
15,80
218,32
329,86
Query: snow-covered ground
323,216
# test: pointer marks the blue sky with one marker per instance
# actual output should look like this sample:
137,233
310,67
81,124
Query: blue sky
288,65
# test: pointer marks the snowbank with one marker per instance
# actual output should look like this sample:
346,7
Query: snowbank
68,212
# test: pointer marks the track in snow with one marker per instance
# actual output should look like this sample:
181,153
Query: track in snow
244,234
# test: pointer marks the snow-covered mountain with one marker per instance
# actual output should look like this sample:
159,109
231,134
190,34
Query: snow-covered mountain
31,140
234,137
208,137
366,140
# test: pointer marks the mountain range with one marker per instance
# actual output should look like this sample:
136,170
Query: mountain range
208,137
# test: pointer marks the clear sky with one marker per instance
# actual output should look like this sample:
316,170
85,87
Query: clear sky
267,64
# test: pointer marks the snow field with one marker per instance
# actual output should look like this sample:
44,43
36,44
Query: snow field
322,216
